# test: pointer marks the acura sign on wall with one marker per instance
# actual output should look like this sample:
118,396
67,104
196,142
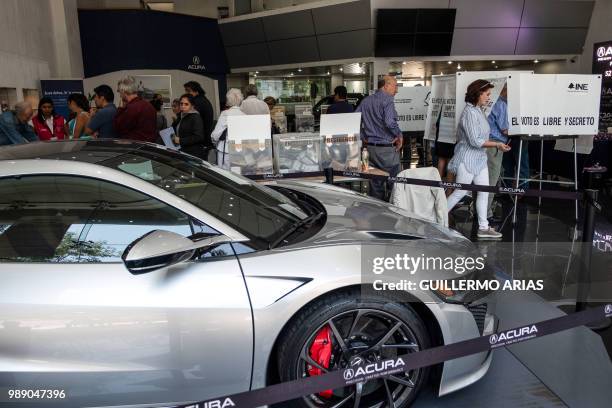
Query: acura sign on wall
602,65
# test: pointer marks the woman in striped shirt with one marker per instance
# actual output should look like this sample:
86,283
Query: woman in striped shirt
470,160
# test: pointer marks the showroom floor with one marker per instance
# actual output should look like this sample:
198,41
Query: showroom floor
523,375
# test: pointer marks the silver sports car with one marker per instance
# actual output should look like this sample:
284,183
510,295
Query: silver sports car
133,275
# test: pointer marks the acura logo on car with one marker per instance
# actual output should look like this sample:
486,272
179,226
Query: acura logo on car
493,339
608,309
356,361
349,373
196,60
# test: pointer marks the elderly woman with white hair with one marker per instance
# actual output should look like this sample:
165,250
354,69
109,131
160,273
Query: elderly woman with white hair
233,99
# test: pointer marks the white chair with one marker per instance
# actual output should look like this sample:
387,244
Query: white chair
428,203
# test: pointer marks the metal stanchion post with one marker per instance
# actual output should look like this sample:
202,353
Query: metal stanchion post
584,276
329,175
518,175
588,230
541,167
576,177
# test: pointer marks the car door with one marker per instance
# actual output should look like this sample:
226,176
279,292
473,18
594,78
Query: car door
73,318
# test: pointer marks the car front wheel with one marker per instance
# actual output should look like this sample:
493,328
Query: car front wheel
348,328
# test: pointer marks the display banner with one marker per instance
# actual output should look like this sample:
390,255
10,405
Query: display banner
553,104
411,103
602,65
58,90
441,109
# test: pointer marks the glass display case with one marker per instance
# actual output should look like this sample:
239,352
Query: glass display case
297,152
341,152
250,156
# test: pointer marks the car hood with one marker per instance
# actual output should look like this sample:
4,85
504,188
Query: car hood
353,217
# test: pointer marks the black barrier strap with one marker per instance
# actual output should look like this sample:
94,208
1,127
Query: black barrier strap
365,372
274,176
568,195
564,195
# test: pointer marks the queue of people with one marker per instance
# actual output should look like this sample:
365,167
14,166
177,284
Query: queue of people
477,156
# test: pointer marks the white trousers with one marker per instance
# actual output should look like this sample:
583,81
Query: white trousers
465,177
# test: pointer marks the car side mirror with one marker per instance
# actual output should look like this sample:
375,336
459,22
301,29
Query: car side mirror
159,249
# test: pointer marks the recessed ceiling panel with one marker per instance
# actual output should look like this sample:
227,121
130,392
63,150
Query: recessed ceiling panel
533,41
395,45
396,21
289,25
487,13
294,50
242,32
432,44
555,13
484,41
352,44
435,21
250,55
342,17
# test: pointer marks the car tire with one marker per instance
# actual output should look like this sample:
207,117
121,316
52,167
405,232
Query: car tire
334,307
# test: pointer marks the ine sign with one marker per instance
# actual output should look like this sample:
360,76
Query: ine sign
548,104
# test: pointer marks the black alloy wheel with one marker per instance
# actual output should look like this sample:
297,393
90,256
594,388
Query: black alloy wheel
345,330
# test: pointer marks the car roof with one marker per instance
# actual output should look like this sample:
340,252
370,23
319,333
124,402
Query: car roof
88,151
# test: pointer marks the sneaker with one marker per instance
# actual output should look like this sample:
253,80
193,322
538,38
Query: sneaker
489,233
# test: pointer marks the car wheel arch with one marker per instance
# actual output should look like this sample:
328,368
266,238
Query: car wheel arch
428,318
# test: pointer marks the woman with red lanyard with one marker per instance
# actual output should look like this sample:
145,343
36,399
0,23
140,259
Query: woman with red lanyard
47,124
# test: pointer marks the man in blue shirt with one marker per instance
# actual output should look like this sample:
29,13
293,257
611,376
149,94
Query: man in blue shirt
379,129
101,123
498,121
14,128
340,104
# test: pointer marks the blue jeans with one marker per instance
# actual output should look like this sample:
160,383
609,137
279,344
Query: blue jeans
510,160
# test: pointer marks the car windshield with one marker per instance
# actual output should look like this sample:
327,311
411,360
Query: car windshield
256,211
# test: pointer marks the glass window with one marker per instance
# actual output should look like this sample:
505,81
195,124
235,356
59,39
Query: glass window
78,219
257,211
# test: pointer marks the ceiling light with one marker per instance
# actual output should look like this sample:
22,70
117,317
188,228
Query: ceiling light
492,62
496,67
299,69
458,66
341,69
255,75
327,72
450,62
535,61
257,72
404,63
291,74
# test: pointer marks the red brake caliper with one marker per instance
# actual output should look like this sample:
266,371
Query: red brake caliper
321,351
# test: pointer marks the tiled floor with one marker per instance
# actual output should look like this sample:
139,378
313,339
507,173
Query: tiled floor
545,243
